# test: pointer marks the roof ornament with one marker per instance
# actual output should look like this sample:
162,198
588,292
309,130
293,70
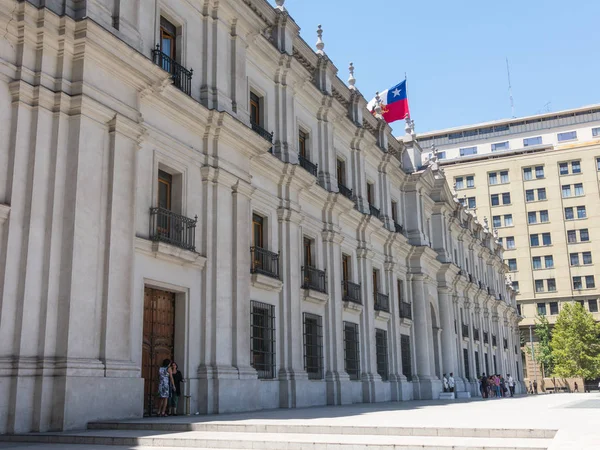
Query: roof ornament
320,43
351,79
486,225
408,128
378,110
454,193
279,4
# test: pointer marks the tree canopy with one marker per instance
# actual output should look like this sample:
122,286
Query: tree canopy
575,343
544,349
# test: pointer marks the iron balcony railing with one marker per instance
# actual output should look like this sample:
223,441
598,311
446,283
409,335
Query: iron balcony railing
398,228
182,78
465,331
346,192
262,132
374,211
494,341
351,292
314,279
486,337
175,229
405,310
476,334
264,262
382,302
308,166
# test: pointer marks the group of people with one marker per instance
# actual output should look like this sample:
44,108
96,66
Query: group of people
169,388
496,386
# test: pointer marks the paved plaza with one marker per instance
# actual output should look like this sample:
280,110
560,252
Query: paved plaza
557,421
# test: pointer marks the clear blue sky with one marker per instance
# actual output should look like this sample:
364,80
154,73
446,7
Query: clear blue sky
454,53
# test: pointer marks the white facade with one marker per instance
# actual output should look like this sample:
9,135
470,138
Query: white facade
89,123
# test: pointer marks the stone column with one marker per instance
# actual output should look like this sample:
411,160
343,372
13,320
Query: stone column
368,358
359,183
449,357
395,362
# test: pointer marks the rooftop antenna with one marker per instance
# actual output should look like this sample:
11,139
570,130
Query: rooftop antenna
512,103
547,107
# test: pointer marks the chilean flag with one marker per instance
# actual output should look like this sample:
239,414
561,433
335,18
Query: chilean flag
394,103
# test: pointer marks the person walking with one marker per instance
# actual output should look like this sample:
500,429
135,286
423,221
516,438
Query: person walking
502,387
176,391
497,385
511,385
530,388
535,387
483,386
451,382
165,383
576,387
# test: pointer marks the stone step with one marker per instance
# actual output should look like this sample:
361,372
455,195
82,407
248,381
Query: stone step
277,441
181,425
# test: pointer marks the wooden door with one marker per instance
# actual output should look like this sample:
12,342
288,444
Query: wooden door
158,341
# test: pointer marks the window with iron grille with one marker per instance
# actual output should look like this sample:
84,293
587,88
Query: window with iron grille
382,353
466,359
262,339
313,346
406,357
351,350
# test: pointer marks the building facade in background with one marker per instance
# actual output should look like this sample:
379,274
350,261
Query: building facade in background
536,180
245,218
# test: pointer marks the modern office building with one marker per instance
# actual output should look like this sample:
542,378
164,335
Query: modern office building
536,181
247,218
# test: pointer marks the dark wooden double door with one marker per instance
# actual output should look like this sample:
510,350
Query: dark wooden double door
158,341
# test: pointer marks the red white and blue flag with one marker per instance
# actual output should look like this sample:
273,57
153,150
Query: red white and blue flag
394,103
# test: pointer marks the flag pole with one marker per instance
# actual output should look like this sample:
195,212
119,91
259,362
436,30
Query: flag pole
407,99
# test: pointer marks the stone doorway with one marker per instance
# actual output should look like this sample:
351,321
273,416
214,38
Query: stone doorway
158,340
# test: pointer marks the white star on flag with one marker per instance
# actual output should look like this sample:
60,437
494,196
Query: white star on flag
396,92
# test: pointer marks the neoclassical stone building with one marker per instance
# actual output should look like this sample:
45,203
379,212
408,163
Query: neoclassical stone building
248,218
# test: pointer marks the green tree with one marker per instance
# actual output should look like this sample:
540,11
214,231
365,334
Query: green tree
543,349
576,343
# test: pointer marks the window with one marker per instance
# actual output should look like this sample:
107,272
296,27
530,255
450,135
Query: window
537,262
381,353
519,309
529,195
493,178
257,231
527,174
549,262
553,308
168,42
541,307
563,168
441,155
593,305
567,136
341,172
515,286
544,216
531,217
346,267
566,190
583,235
500,240
400,286
596,132
371,193
375,282
351,350
574,258
589,282
471,181
472,202
575,166
165,185
569,214
466,361
587,258
500,146
510,242
255,110
512,264
308,245
597,163
546,239
571,236
459,182
534,240
541,194
262,339
578,189
504,176
468,151
395,211
582,303
302,140
527,142
551,284
406,356
495,199
506,198
313,346
496,221
577,283
581,214
539,171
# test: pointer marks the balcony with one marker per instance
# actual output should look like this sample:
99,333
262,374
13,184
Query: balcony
262,132
171,228
264,262
314,279
351,292
182,78
405,310
346,192
308,166
374,211
382,302
465,331
476,334
486,337
398,228
494,341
